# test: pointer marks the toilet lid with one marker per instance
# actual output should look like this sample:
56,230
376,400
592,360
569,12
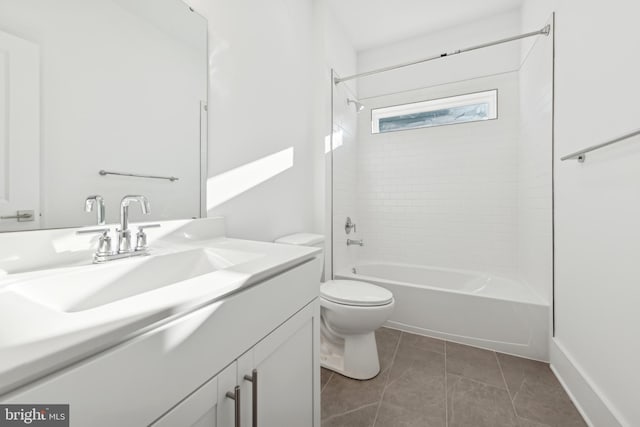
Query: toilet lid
353,292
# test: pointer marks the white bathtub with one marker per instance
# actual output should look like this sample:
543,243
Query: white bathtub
463,306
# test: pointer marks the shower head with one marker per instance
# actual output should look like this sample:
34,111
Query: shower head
359,106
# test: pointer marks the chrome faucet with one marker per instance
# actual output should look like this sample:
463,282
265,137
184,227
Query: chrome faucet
124,248
124,234
351,242
96,202
349,226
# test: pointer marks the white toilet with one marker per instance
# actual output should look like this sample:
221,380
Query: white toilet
350,311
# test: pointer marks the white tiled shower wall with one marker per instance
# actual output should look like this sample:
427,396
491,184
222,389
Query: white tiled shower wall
345,175
443,196
472,196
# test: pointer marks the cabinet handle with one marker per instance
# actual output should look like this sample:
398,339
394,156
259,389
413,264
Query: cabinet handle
20,216
235,396
253,379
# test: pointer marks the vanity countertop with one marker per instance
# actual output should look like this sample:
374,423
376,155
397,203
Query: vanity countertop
42,335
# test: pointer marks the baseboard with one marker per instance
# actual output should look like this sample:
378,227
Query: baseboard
594,408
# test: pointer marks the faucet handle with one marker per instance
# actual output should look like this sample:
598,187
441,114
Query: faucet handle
104,244
97,202
349,226
141,236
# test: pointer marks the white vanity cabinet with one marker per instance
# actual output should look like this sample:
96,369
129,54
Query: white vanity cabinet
178,374
270,385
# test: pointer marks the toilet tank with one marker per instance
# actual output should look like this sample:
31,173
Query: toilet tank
302,239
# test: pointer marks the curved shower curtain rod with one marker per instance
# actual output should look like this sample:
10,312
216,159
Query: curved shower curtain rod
546,30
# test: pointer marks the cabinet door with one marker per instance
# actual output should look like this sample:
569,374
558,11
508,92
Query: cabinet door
198,410
208,406
278,378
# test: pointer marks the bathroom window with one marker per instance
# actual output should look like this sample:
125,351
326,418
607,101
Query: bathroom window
467,108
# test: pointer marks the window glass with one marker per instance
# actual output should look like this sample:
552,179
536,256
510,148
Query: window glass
444,111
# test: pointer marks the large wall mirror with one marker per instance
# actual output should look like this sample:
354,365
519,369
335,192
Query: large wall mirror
91,87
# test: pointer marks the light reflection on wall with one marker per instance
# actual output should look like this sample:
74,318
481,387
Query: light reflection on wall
227,185
338,139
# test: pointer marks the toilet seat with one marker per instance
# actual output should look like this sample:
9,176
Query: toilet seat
356,293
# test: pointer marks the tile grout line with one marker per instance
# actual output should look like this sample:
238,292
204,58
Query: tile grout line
513,406
384,388
393,360
347,412
471,380
325,384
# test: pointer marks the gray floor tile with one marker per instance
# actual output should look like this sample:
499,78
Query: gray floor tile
517,369
480,388
415,392
423,343
411,355
474,404
548,405
325,374
395,416
474,363
528,423
419,387
537,395
387,342
361,417
343,394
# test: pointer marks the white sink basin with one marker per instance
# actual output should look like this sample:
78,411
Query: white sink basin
61,262
117,280
71,309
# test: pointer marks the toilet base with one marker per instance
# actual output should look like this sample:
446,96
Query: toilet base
354,356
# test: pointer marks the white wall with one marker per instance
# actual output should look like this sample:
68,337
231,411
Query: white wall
106,106
597,205
535,240
442,196
261,102
455,68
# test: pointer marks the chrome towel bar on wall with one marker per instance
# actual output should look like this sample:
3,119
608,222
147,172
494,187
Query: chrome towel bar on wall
135,175
581,155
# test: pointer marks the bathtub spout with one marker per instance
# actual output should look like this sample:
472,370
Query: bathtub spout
351,242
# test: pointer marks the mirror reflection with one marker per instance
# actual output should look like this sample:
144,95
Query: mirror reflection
100,97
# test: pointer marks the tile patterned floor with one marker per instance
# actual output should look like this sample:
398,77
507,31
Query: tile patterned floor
428,382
